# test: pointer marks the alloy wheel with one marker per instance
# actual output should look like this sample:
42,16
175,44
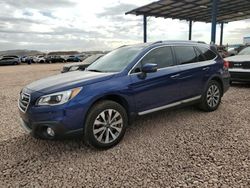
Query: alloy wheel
213,96
108,126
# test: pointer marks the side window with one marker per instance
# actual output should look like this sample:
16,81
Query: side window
208,54
200,56
162,56
185,54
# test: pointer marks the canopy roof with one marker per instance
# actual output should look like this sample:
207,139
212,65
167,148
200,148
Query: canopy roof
196,10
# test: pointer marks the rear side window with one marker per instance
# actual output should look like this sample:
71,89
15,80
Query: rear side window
200,56
162,56
208,54
185,54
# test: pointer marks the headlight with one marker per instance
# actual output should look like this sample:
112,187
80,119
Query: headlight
58,98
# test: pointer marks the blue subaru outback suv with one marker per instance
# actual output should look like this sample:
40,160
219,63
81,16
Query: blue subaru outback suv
129,81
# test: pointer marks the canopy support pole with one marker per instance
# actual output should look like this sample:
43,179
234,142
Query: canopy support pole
214,21
190,30
144,28
221,33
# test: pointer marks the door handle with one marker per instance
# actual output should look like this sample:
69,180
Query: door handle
175,76
206,68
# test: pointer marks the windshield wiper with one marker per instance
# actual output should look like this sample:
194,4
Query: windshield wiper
94,70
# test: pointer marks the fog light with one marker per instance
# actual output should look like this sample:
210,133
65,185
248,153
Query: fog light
50,132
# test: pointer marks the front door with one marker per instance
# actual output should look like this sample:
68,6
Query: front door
156,89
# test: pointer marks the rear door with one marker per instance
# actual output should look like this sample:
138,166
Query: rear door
156,89
191,75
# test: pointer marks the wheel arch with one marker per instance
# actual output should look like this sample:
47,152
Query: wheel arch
219,80
116,98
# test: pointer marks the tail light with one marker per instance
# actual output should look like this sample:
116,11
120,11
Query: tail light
226,64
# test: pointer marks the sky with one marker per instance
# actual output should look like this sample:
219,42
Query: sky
49,25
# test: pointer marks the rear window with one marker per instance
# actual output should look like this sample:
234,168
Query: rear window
185,54
208,54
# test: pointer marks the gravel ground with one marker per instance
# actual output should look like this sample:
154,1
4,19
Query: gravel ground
177,148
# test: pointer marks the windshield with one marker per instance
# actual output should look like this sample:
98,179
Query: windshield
245,51
116,60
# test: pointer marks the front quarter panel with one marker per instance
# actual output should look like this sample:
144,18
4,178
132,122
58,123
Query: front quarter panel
117,86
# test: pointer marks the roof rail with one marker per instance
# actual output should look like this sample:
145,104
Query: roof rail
157,42
202,42
122,46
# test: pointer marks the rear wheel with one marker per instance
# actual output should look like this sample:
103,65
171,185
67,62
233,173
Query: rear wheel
212,97
105,124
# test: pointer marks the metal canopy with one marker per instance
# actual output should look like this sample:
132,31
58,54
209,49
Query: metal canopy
196,10
214,11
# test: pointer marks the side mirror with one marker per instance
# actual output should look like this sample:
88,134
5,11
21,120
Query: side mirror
149,68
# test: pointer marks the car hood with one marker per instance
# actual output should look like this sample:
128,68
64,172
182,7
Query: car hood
66,81
238,58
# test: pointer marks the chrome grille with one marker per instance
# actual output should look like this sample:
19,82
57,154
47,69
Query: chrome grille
24,101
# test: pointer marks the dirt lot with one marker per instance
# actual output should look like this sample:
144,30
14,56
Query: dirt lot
177,148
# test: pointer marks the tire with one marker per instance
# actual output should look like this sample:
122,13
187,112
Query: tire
211,98
99,124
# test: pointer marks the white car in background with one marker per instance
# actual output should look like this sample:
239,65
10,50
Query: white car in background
232,51
239,66
39,59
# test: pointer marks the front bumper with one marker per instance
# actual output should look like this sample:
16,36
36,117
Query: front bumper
65,119
39,129
240,75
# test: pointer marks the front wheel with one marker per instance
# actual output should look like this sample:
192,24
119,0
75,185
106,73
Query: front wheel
105,124
211,99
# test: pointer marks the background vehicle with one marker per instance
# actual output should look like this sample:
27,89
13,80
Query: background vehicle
10,60
239,66
129,81
235,49
232,51
73,58
81,65
222,51
55,59
24,59
82,57
39,59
